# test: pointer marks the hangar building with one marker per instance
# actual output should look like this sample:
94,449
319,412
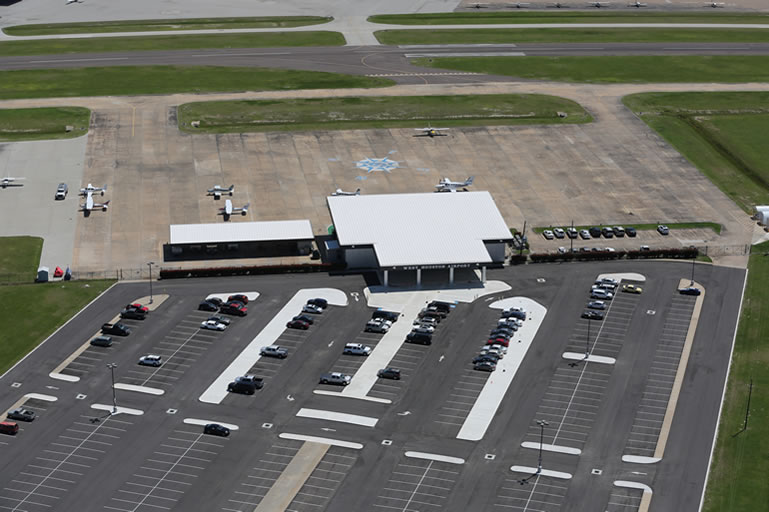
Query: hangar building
416,232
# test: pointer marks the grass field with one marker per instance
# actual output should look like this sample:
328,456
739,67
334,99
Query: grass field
575,35
647,227
721,133
96,27
38,310
464,18
20,255
737,479
377,112
118,81
43,123
169,42
634,69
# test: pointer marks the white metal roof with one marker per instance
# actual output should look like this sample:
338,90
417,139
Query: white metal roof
234,232
420,229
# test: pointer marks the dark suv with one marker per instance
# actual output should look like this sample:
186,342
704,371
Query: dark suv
117,329
595,232
419,338
321,303
387,315
389,373
133,314
215,429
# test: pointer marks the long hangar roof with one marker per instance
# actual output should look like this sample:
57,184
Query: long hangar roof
420,229
233,232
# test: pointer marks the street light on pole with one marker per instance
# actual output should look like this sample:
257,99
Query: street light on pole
150,265
587,340
112,367
542,424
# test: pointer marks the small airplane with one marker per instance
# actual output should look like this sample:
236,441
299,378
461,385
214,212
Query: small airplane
228,209
73,2
476,5
340,192
517,5
10,181
90,205
431,132
446,185
218,190
636,4
599,4
715,4
90,189
558,5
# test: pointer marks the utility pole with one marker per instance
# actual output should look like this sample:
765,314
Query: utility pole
587,341
150,265
112,367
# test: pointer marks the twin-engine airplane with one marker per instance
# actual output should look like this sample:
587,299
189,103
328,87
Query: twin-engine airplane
10,181
218,190
431,132
228,210
90,204
446,185
340,192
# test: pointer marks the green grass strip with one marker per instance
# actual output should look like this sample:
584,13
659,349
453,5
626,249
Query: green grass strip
38,310
644,227
737,479
466,18
576,35
130,80
43,123
169,42
96,27
19,256
378,112
633,69
721,133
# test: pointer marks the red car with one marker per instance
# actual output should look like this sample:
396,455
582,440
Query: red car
234,308
238,297
298,324
138,307
498,341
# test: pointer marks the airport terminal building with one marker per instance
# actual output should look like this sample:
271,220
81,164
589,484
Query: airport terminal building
397,233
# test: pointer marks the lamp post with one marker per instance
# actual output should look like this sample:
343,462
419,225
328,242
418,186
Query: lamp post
542,424
112,367
150,265
694,258
587,341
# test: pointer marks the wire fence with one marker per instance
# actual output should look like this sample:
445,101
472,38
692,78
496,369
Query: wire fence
120,274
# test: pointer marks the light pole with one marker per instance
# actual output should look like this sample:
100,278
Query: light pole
112,367
694,258
150,265
587,341
542,424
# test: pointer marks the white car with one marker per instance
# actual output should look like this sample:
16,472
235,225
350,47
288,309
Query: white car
600,293
559,232
274,351
356,349
548,234
312,308
150,360
213,325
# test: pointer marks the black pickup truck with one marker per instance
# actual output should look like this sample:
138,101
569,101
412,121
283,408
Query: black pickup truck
117,329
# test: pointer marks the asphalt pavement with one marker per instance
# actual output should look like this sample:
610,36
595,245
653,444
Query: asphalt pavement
155,457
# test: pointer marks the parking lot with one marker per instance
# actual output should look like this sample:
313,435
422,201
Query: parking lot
590,406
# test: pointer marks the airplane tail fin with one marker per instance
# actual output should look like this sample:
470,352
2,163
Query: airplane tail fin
357,192
469,180
244,210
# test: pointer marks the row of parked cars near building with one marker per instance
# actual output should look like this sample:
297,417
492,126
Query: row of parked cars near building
499,339
235,305
598,232
304,320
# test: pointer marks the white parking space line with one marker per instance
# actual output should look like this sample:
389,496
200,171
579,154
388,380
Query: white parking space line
322,440
202,423
435,457
217,391
340,417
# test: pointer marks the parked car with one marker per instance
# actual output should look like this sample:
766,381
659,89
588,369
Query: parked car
596,304
492,358
136,305
221,319
305,318
514,313
442,306
592,314
595,232
607,280
216,301
377,327
298,324
485,366
426,321
245,385
387,315
321,303
102,341
631,288
619,231
274,351
21,414
356,349
689,290
234,308
118,329
571,232
437,311
9,428
212,325
584,234
61,191
214,429
419,338
312,308
207,305
607,232
600,293
663,229
389,373
502,331
548,234
498,340
645,248
559,233
238,297
151,360
427,329
631,232
335,378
